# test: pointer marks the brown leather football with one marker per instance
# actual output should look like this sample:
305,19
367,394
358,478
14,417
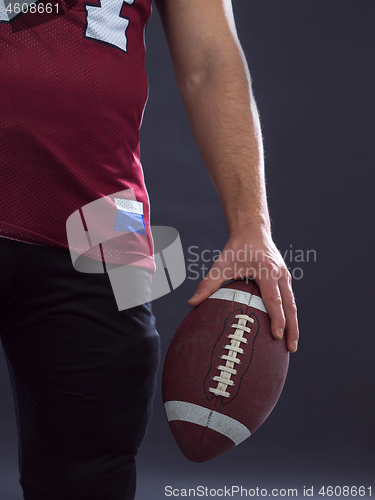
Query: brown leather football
223,372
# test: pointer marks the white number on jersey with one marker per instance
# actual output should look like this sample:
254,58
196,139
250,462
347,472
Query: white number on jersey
104,23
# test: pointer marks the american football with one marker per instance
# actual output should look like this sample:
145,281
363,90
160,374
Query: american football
223,372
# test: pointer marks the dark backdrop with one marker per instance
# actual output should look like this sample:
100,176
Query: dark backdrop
313,79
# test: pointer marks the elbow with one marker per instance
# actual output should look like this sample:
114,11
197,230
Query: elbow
190,80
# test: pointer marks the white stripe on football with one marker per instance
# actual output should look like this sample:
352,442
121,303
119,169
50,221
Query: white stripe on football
189,412
240,297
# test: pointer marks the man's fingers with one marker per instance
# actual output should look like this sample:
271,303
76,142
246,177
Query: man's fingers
279,300
271,296
275,286
219,273
202,293
207,287
290,311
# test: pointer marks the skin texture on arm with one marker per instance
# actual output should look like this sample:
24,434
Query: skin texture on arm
214,82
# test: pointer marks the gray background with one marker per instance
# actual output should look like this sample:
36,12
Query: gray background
313,79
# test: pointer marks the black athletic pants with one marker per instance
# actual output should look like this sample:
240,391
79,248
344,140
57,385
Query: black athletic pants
82,374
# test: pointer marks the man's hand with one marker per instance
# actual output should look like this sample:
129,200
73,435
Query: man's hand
257,258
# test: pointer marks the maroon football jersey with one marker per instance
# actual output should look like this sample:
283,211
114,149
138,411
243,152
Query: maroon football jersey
72,93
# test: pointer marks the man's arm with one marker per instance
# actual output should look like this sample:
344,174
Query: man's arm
214,82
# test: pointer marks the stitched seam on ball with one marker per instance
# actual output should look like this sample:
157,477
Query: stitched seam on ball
205,429
226,371
217,346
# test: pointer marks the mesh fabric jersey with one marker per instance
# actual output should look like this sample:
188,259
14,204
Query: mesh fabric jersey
72,93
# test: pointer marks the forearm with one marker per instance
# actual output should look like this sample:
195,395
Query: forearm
226,127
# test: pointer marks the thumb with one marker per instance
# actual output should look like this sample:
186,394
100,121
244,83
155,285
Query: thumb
206,287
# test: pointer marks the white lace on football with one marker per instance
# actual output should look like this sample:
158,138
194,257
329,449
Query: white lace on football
224,379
